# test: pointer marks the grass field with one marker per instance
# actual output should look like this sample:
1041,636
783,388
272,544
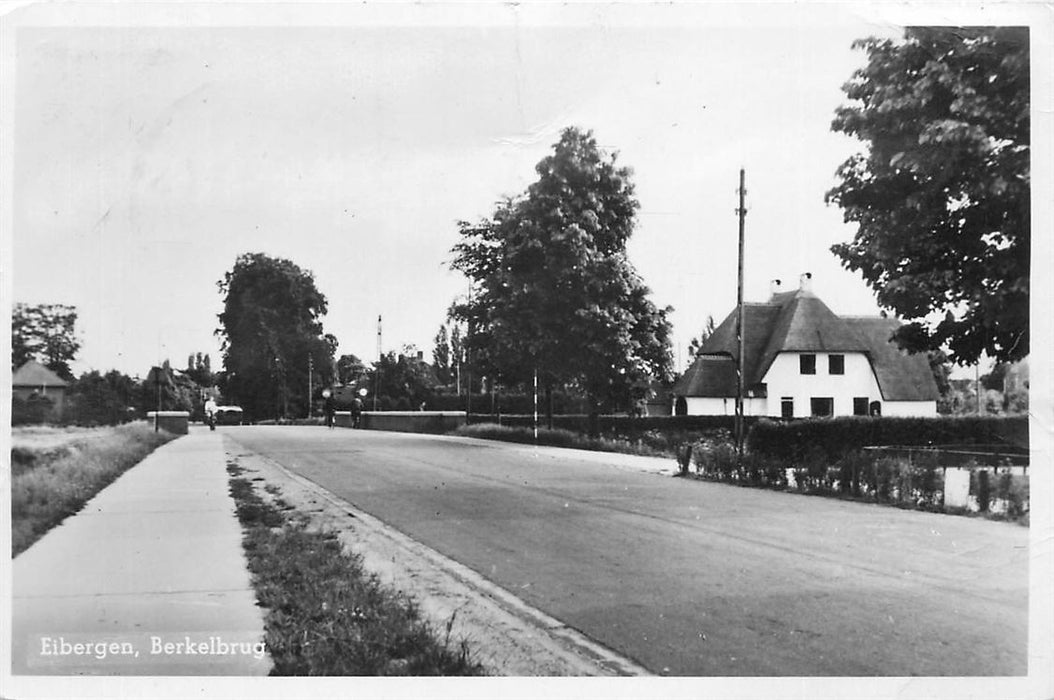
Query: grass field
55,471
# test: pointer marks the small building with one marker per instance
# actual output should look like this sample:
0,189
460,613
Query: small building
33,378
800,359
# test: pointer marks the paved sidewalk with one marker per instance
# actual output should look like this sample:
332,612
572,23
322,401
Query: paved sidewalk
149,578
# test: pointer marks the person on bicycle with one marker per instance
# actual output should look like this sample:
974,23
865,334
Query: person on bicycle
210,413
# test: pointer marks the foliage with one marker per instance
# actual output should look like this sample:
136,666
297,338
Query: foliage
199,370
325,614
942,198
270,326
31,410
695,343
402,382
45,333
60,483
552,288
350,369
168,390
102,399
916,483
442,362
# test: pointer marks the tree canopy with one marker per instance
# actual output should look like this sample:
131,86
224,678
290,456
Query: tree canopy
270,326
942,196
552,288
45,333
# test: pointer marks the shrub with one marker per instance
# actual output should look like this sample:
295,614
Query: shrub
1014,492
716,461
32,410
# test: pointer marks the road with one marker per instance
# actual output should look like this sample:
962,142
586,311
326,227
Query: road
691,578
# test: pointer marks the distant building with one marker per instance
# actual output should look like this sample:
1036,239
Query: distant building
800,359
34,378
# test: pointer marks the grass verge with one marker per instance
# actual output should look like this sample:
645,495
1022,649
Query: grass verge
326,616
52,481
558,437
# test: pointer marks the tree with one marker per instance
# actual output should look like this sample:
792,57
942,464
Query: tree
551,287
199,369
349,369
103,399
441,356
45,333
942,197
271,326
695,343
405,381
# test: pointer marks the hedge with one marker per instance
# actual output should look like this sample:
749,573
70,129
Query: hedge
917,484
834,438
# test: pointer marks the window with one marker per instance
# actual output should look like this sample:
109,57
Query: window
836,364
807,364
860,406
822,407
787,407
876,408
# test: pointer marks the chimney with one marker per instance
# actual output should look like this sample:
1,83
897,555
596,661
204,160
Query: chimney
805,282
776,286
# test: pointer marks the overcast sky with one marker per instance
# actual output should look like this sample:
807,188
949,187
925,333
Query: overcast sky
147,158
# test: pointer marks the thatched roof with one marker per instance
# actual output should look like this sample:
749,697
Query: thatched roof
798,321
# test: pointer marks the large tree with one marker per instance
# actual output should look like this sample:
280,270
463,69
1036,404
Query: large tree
271,326
941,197
441,356
552,288
45,333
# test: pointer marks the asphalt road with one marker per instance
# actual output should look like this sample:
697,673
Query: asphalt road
692,578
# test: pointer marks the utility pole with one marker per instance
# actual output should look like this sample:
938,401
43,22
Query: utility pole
310,371
742,213
377,372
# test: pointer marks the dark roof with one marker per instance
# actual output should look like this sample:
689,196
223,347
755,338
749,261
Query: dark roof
709,375
798,321
32,373
901,376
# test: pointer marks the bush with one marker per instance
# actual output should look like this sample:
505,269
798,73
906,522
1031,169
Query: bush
717,461
32,410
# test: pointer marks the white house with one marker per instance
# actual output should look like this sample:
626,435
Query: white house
800,359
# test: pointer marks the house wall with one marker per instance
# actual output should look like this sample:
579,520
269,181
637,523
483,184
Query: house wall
784,378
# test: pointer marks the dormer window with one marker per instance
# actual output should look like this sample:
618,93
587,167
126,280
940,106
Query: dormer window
807,363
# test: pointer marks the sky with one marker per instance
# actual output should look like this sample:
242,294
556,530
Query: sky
150,153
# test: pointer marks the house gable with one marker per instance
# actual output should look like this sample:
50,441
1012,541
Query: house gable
798,322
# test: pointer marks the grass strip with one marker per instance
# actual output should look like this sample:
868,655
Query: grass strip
326,616
558,437
49,485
